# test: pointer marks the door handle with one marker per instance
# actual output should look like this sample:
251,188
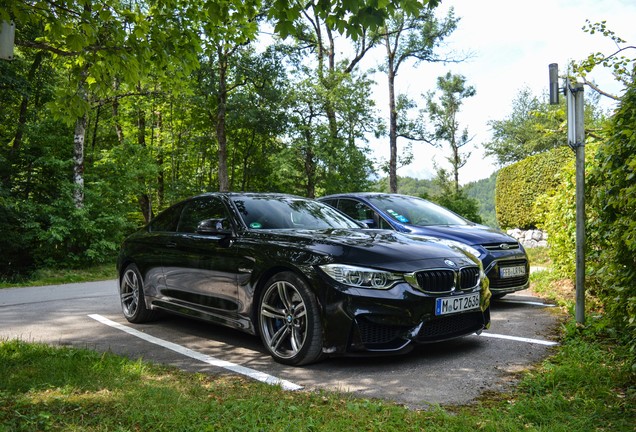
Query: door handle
171,245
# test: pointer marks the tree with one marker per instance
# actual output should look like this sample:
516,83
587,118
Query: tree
443,116
335,101
129,81
483,191
534,126
319,164
97,43
235,25
347,17
622,66
454,200
410,38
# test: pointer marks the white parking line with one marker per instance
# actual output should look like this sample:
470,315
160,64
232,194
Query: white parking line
533,303
519,339
251,373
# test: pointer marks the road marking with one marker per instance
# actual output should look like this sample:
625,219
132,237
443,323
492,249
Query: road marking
525,302
519,339
251,373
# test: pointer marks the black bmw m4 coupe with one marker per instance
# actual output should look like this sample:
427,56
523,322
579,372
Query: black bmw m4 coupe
307,279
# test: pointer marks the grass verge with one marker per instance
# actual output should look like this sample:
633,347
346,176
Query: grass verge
63,276
585,387
538,256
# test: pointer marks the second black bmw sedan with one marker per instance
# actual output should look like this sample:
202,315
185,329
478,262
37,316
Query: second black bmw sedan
303,276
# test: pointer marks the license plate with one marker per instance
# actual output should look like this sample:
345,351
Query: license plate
513,271
449,305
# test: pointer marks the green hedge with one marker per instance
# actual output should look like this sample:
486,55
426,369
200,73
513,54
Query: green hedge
610,224
556,211
612,236
520,184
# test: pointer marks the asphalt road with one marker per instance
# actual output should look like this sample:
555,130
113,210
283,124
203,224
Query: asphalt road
88,315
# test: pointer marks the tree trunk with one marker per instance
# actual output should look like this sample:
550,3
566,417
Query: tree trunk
224,183
118,129
22,120
78,161
456,165
145,203
393,184
331,112
310,170
161,180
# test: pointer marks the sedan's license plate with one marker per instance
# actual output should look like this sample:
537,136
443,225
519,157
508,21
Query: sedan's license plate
512,271
449,305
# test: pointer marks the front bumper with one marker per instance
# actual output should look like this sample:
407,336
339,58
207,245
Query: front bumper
500,286
360,321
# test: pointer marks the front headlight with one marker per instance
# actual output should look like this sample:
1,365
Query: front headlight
361,277
463,246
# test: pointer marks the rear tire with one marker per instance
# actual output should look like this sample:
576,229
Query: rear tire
131,295
289,320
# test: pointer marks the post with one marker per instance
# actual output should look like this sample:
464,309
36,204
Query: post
579,133
576,140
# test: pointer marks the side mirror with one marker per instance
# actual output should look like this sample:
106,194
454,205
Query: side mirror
367,223
214,227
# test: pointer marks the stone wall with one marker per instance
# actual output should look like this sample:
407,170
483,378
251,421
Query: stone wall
530,238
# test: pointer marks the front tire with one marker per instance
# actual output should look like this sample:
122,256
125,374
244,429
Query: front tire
289,320
131,294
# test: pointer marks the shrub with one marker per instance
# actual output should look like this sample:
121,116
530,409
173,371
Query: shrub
520,184
556,211
613,245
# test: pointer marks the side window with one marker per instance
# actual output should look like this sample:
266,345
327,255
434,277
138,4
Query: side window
383,224
167,220
361,212
199,210
355,209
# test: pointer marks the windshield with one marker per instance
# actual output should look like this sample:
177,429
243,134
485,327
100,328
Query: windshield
282,212
415,211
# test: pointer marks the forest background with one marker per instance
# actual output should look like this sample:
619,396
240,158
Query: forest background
112,111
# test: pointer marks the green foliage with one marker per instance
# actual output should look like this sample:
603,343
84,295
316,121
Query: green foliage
18,241
424,188
520,184
459,203
483,191
621,65
442,111
610,226
613,240
534,126
455,199
555,212
152,81
352,18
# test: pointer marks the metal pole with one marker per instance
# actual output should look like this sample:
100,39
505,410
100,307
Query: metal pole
576,140
579,143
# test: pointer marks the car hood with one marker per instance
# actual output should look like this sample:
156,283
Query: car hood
384,249
469,234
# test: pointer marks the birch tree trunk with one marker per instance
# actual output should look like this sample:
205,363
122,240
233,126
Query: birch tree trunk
78,161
